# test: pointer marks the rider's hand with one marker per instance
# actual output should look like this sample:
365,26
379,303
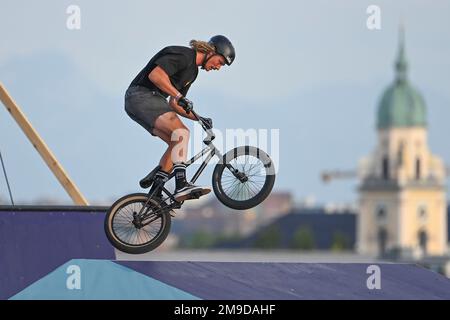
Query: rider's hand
207,122
186,104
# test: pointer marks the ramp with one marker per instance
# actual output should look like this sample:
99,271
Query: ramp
63,253
234,281
34,243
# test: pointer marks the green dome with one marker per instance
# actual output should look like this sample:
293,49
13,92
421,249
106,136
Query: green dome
401,105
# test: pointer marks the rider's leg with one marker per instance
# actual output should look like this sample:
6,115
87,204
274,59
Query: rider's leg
179,155
171,130
166,164
166,160
170,124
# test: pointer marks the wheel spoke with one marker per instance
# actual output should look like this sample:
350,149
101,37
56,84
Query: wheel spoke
234,184
126,231
254,170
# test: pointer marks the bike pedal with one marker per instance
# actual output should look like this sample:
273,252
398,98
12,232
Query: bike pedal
196,195
146,183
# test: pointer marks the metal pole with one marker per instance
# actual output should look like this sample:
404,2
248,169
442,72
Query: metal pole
6,178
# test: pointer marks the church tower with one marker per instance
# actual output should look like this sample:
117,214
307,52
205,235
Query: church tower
402,194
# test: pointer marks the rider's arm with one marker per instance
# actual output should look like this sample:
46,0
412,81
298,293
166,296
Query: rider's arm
180,110
161,79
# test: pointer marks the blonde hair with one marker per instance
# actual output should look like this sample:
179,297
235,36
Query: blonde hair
202,46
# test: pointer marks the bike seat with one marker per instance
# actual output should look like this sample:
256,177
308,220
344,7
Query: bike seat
148,180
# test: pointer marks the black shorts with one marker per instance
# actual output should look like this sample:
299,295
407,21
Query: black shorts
144,106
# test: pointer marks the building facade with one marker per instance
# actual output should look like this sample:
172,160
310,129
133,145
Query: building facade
402,193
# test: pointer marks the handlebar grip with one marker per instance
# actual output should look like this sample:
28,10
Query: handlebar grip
185,104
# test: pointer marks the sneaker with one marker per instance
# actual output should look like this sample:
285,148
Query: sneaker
190,191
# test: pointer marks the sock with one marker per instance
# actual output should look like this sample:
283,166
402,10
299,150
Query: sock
159,176
180,175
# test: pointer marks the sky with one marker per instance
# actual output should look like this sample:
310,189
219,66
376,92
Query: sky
310,69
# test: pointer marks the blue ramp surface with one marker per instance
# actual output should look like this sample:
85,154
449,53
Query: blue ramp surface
99,280
228,280
34,243
102,279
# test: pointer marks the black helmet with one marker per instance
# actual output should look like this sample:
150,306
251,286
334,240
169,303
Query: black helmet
224,48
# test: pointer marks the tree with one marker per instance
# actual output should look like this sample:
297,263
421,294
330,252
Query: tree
200,239
227,239
303,239
269,238
340,241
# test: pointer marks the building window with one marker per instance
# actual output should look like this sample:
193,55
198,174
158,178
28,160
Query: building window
422,213
400,153
423,240
381,213
418,168
382,241
385,167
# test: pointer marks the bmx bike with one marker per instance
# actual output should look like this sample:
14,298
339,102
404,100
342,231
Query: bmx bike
243,177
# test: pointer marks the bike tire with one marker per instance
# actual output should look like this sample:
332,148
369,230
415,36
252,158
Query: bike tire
118,243
218,185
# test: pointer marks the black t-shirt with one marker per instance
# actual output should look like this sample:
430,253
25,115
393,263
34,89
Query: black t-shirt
178,62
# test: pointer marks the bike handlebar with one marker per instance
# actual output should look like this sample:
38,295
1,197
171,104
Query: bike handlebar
211,135
195,115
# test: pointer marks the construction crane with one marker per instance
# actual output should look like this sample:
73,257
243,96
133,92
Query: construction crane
327,176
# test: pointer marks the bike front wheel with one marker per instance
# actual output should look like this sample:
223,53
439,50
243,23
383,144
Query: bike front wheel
244,178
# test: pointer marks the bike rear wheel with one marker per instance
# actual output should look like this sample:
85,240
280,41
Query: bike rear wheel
122,232
252,163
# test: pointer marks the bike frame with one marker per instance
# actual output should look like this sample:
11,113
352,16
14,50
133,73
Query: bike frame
210,150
